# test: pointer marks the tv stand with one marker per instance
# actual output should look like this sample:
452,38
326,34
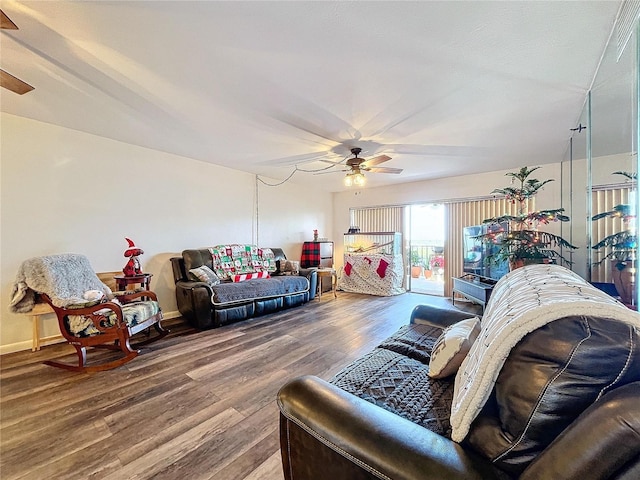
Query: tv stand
473,287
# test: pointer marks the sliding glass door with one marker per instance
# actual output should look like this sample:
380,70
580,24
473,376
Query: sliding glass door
427,240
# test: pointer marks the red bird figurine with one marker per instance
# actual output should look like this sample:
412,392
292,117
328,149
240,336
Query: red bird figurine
132,267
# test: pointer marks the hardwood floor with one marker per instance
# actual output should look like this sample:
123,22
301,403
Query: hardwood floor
193,405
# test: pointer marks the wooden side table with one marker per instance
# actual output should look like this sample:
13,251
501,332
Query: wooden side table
331,273
36,341
123,281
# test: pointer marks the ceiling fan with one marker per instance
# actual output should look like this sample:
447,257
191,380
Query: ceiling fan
7,80
357,166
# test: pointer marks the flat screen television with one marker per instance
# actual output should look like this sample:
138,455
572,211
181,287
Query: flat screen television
476,251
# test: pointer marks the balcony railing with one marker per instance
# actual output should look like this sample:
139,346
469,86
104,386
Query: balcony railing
428,256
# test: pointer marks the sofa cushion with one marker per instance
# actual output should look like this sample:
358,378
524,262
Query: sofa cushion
229,292
204,274
452,346
414,341
550,377
133,313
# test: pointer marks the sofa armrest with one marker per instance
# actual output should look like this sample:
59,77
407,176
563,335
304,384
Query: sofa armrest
326,432
438,317
194,302
312,276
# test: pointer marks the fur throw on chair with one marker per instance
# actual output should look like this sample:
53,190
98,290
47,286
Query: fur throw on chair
64,278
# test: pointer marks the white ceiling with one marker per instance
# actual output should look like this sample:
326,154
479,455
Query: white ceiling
445,88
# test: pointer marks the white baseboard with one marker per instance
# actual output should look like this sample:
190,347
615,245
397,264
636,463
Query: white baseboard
169,315
27,344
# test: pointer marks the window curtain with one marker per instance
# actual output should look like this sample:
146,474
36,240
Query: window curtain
604,199
466,213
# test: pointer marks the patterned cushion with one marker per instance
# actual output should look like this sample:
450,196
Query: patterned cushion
249,276
452,347
87,304
133,313
268,259
204,274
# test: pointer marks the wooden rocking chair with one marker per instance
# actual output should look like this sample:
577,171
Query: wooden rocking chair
109,322
67,282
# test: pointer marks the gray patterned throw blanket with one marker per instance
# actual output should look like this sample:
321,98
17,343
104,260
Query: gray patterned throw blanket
64,278
394,376
522,301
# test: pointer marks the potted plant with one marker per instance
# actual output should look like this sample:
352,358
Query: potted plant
427,271
416,264
522,242
621,247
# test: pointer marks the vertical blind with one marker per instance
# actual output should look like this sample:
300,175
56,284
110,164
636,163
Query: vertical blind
604,200
378,219
381,219
458,215
467,213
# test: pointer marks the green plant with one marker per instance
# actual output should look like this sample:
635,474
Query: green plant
416,260
522,242
620,246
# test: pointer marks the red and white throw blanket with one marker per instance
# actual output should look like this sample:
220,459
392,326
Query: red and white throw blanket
372,273
522,301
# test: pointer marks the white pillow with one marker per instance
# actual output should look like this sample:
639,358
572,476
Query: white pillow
204,274
452,346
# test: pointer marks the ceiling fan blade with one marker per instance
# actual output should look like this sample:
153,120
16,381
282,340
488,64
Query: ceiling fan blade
376,161
437,150
302,158
383,170
332,171
5,22
14,84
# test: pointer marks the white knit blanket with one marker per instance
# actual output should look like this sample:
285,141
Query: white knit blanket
522,301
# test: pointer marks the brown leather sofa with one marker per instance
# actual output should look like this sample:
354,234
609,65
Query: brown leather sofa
199,303
566,405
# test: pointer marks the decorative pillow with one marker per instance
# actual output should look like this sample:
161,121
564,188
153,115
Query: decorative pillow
204,274
288,266
268,259
452,347
93,295
249,276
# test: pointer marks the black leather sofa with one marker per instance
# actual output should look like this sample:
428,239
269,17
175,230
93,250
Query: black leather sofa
199,302
566,405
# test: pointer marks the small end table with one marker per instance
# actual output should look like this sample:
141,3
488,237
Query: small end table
122,281
327,272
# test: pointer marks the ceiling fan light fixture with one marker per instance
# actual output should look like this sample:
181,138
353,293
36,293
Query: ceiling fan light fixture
348,180
358,179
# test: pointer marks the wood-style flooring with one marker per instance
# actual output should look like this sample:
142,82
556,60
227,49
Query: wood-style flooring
195,405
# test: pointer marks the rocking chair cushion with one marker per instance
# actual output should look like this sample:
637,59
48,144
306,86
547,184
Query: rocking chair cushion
133,313
87,304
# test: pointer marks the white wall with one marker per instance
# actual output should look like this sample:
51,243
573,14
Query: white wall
62,190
